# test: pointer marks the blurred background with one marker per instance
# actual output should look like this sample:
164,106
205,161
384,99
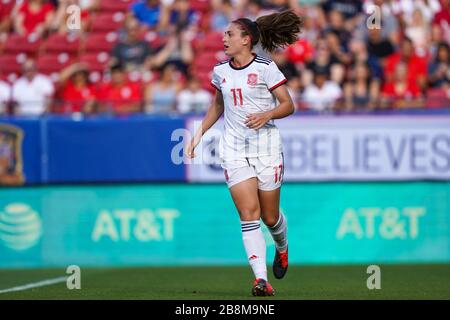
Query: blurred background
97,97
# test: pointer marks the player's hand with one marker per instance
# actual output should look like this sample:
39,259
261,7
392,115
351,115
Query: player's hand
257,120
189,150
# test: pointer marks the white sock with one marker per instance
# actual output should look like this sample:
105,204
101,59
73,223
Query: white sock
279,233
255,247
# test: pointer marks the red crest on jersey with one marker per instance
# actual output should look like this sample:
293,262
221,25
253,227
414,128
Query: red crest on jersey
252,79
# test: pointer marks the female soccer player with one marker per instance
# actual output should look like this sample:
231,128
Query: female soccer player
251,93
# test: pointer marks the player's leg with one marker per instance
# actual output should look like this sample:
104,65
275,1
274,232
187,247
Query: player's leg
277,226
244,191
270,176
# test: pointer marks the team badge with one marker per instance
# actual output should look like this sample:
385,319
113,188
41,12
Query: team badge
252,79
11,166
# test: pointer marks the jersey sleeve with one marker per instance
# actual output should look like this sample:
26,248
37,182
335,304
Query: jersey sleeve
274,77
215,81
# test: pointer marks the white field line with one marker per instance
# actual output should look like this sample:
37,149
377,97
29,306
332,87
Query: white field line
32,285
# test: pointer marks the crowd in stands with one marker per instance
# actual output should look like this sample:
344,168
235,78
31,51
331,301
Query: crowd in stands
156,56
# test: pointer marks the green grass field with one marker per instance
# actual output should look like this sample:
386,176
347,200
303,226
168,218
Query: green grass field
301,282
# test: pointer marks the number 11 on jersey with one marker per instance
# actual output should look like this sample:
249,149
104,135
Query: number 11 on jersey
239,90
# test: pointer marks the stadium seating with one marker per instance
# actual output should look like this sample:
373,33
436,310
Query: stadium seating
11,65
105,22
213,41
53,63
115,5
200,5
57,43
95,61
98,42
22,44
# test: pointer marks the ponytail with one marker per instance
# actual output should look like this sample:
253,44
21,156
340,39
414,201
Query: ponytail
273,31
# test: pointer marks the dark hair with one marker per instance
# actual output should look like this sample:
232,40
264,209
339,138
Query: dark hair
443,45
273,31
117,66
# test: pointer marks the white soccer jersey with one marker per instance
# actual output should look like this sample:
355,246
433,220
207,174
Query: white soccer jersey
248,90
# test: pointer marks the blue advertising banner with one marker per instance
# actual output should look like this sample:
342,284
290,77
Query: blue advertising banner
149,148
55,149
137,148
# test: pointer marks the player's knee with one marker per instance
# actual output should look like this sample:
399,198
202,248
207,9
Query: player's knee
270,220
250,213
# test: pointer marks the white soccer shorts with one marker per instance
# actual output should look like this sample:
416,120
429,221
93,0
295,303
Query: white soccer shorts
268,170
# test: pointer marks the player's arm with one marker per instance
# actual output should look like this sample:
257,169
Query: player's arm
213,114
284,109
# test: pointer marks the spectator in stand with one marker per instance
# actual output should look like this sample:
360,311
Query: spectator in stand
74,90
417,29
427,7
324,59
301,52
6,8
289,69
350,9
60,20
5,96
148,13
33,92
253,9
178,16
323,93
132,52
120,96
416,66
360,54
378,46
390,29
223,13
339,51
178,51
337,27
277,5
193,99
439,68
34,16
161,96
441,20
401,91
361,91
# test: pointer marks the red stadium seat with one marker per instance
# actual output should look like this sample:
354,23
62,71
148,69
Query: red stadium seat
97,42
105,22
200,5
62,43
213,41
11,64
115,5
437,98
22,44
53,63
95,61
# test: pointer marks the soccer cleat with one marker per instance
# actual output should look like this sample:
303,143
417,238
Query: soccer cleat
262,288
280,264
